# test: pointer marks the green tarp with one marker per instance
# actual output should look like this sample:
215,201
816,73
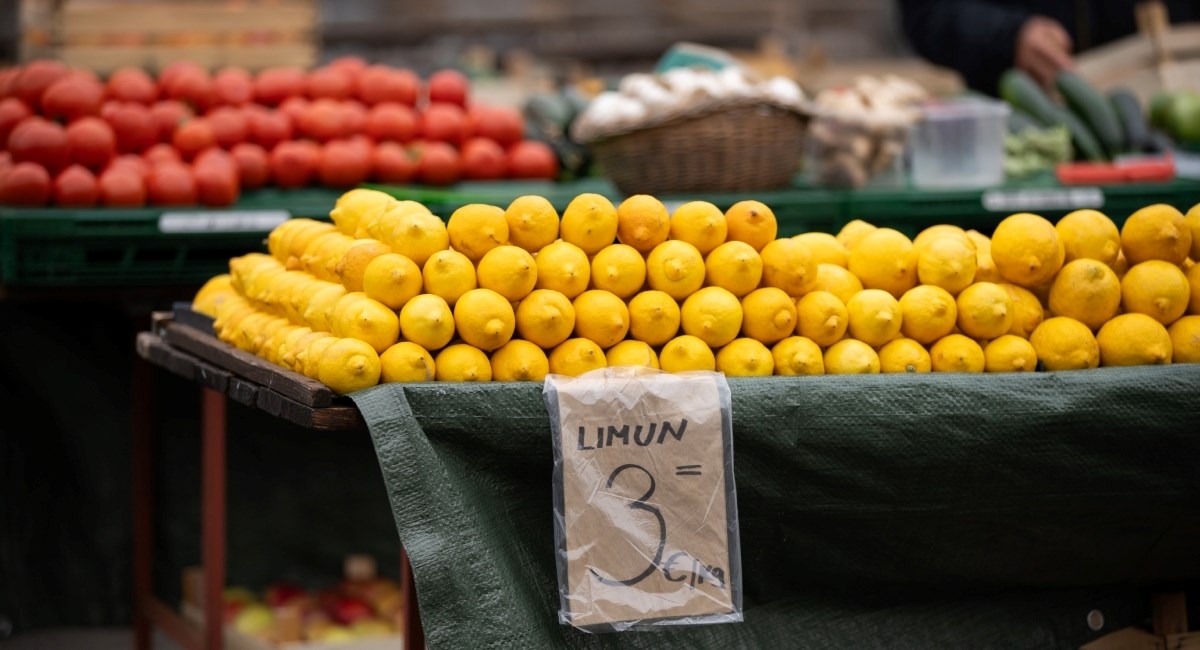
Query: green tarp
876,511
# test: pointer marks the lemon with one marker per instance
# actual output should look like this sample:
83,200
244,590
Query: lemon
509,271
1064,343
299,352
1121,266
352,206
310,359
322,256
700,224
885,259
822,318
687,352
427,321
837,280
1192,221
904,355
392,279
348,365
448,274
985,267
359,317
286,355
1155,288
874,317
789,265
985,311
519,360
406,362
476,229
676,268
851,357
934,233
734,266
574,357
377,225
653,317
354,263
751,222
825,248
316,314
589,222
1027,250
1185,340
713,315
1156,232
769,315
545,317
956,353
1086,290
210,296
532,223
462,362
619,268
1193,277
632,353
301,238
853,232
229,314
927,313
484,319
643,222
270,349
276,246
601,317
1133,340
1027,310
563,267
1009,353
947,262
413,232
797,355
1089,234
745,358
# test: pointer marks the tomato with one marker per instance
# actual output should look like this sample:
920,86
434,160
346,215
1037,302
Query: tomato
439,164
229,125
8,79
194,136
444,122
379,84
274,85
171,185
40,141
26,183
502,124
532,159
233,86
351,65
215,156
168,115
76,187
294,163
448,86
389,121
122,187
134,128
354,117
193,86
131,85
329,83
161,154
294,108
392,163
253,165
6,161
216,183
33,80
72,97
269,128
344,164
483,159
323,120
177,68
133,162
12,111
91,143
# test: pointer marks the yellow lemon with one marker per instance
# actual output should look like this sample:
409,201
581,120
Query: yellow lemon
563,267
632,353
1121,266
1133,340
229,314
851,357
270,350
348,365
768,315
947,262
392,279
601,317
1064,343
956,353
427,321
619,268
1089,234
751,222
1185,340
310,359
934,233
1027,310
837,280
875,317
653,317
1027,250
448,274
713,315
700,224
519,360
985,311
927,313
354,263
1156,232
462,362
745,358
324,253
299,351
574,357
985,267
279,234
1193,277
413,232
789,265
734,266
352,206
825,248
853,232
687,352
366,320
300,239
509,271
676,268
642,222
885,259
589,222
1192,221
1009,353
797,355
316,315
1155,288
379,224
822,318
484,319
406,362
545,317
532,223
904,355
209,297
476,229
1086,290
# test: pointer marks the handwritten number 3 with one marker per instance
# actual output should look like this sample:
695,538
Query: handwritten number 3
639,504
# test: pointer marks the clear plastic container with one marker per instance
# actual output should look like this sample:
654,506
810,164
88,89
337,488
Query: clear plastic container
959,143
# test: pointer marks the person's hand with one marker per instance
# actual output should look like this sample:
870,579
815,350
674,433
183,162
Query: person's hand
1043,49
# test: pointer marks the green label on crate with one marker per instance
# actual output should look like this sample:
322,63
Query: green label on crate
221,221
1031,200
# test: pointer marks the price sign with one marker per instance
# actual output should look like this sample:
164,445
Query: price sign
220,221
646,514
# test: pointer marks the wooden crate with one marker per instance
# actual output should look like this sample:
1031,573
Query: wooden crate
1160,56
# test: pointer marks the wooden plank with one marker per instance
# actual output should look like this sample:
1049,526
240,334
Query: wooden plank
242,391
169,17
337,418
1170,613
328,418
185,315
1129,638
178,629
1189,641
253,57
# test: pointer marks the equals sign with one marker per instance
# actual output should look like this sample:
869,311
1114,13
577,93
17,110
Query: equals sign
687,470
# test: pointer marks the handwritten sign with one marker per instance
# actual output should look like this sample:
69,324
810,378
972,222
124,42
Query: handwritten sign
646,513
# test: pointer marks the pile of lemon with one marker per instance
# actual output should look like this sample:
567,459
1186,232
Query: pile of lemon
389,292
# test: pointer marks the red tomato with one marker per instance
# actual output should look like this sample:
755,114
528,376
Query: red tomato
26,183
215,156
229,125
354,117
192,85
39,141
76,187
294,163
171,185
344,164
439,164
273,85
351,65
269,128
233,86
483,159
388,121
532,159
444,122
173,70
33,80
329,83
72,97
91,142
502,124
131,85
194,136
8,79
294,108
448,86
12,111
122,187
216,183
392,163
323,120
134,127
133,162
378,84
161,154
168,115
253,165
6,161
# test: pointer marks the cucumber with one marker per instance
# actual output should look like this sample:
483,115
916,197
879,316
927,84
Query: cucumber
550,112
1019,89
1091,107
1133,120
1159,142
1019,120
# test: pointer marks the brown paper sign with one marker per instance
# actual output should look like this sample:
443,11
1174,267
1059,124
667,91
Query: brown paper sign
646,513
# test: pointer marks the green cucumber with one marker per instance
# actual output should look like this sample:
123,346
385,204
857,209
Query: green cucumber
1019,120
1091,107
1133,120
1020,90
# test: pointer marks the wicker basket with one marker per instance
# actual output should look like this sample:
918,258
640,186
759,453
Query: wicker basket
727,147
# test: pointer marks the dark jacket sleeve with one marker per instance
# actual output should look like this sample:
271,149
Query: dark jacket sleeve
975,37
